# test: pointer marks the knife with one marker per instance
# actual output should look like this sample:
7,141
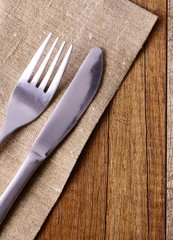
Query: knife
69,110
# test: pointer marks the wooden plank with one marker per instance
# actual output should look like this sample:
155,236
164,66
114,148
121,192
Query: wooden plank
169,216
155,56
127,216
136,189
80,211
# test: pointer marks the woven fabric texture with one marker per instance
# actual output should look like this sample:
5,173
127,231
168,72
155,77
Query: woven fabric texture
120,28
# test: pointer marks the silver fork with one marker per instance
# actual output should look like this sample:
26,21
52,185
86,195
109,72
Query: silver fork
28,100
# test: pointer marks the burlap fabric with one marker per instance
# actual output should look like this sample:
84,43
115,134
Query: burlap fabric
120,28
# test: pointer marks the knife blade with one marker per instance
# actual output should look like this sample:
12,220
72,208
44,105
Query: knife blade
67,113
72,105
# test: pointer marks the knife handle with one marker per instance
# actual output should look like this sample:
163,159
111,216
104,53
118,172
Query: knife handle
29,166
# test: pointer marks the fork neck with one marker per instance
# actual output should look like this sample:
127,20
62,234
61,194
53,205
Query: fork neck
4,133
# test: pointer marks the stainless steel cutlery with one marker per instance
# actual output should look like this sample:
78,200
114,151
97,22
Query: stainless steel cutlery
29,100
67,113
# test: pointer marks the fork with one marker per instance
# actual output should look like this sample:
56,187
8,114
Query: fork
29,99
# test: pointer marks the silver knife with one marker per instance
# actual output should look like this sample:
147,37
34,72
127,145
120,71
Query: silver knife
72,105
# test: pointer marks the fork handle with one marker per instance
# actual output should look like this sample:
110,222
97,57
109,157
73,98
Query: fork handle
29,166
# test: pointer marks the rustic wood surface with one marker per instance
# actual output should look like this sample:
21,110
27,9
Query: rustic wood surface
169,216
117,190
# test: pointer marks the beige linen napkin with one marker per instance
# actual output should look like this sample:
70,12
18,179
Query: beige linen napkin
120,28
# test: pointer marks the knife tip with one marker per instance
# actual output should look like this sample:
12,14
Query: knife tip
97,50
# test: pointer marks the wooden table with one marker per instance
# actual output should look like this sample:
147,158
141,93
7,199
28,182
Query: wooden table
117,190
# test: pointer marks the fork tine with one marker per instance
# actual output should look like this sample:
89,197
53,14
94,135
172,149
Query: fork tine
55,82
30,68
49,72
44,63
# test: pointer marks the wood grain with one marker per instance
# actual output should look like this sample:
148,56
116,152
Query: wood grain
169,215
117,189
127,185
156,121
